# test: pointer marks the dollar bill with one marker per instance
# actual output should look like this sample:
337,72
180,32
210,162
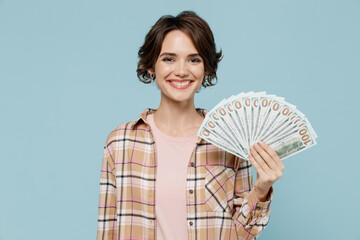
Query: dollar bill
236,123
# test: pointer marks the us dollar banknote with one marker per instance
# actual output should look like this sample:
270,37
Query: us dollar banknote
238,122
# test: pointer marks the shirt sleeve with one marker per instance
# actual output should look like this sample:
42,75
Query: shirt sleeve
107,218
250,214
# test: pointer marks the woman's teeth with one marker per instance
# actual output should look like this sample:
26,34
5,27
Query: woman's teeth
184,83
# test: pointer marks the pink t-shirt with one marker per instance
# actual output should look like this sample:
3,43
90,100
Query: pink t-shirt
173,156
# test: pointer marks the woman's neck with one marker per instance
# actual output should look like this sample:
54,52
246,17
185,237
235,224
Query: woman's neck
178,119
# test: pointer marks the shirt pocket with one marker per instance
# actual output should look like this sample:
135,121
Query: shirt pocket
219,188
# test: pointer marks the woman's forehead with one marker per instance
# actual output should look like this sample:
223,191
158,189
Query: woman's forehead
178,42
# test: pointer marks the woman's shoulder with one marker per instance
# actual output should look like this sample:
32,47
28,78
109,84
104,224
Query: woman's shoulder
131,129
122,129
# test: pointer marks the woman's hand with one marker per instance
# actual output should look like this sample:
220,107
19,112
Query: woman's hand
268,166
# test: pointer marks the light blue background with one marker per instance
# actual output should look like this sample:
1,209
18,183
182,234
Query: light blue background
67,74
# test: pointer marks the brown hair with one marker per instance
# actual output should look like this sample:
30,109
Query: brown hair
197,29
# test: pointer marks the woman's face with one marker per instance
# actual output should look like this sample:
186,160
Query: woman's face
179,68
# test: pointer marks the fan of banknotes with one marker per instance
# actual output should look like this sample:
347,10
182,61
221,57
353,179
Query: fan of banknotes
238,122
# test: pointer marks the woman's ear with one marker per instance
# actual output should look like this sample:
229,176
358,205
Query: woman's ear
150,71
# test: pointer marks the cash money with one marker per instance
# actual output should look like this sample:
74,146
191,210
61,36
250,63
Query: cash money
238,122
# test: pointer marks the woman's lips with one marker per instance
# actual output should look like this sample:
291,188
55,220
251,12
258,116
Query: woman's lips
180,84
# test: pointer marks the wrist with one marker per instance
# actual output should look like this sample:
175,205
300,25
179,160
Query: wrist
261,195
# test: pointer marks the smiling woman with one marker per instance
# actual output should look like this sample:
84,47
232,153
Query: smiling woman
179,67
159,180
195,28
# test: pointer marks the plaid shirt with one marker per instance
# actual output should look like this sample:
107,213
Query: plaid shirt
220,202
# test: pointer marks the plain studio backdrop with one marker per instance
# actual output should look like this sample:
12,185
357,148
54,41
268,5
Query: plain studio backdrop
68,77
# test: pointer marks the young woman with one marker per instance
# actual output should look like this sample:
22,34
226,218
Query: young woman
158,179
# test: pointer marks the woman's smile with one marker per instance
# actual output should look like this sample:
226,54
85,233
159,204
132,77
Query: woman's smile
179,68
180,84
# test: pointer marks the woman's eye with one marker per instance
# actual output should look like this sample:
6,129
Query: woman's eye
167,59
195,60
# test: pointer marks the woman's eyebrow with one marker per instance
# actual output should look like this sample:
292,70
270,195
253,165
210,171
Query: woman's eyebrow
174,54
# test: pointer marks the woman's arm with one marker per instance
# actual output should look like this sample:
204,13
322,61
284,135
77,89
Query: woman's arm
250,214
252,205
268,166
107,200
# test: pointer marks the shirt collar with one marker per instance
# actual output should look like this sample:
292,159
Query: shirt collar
147,111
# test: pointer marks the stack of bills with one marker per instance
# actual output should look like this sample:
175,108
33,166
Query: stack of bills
238,122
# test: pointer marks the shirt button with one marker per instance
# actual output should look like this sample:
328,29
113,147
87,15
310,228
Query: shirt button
192,164
191,191
190,223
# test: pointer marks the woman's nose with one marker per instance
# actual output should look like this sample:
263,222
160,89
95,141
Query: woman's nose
181,69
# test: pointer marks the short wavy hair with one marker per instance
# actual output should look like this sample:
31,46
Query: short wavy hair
196,28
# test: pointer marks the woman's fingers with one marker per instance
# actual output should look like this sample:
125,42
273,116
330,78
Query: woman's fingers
273,155
265,157
256,165
268,166
268,160
259,159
